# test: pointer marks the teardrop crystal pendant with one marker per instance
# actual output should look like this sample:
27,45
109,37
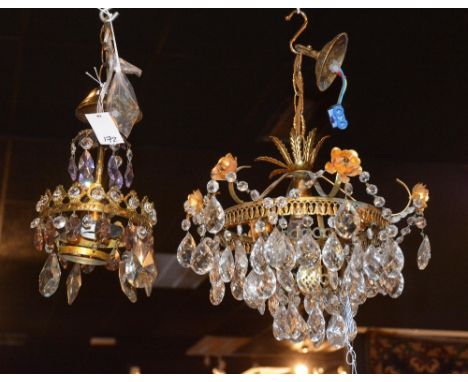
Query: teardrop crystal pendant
72,169
185,249
86,167
214,216
202,258
49,278
127,289
129,174
336,331
115,176
424,253
226,265
278,249
257,259
73,283
332,253
347,220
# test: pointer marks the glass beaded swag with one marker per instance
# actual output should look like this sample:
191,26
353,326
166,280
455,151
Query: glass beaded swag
87,226
311,256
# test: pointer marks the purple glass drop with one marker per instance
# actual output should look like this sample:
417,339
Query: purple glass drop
72,169
86,167
115,176
129,174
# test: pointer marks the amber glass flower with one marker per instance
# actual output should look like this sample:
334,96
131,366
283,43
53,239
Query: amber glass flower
344,162
420,192
195,201
225,165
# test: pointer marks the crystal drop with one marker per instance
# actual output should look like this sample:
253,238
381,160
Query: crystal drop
281,327
347,220
333,279
103,229
226,265
214,216
185,225
379,201
217,293
49,277
336,331
115,176
307,221
86,168
98,193
371,263
272,218
146,271
331,302
73,283
127,289
202,258
242,262
281,202
38,239
332,253
72,169
309,249
420,222
251,294
283,223
133,202
260,226
185,249
231,177
308,278
74,191
424,253
237,286
273,305
129,176
257,258
58,195
393,283
286,279
278,249
215,273
73,228
60,221
299,327
393,258
212,186
316,323
267,286
254,195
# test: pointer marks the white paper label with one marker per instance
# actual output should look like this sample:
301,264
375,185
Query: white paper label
105,129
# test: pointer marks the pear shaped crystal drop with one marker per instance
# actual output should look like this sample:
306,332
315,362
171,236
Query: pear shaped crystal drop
129,174
316,323
332,253
371,264
202,258
278,249
242,262
226,265
424,253
217,293
257,259
347,220
72,169
185,249
214,216
127,289
309,249
337,331
308,278
49,277
115,176
73,283
86,168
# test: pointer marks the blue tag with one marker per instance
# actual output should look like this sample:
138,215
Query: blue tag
337,117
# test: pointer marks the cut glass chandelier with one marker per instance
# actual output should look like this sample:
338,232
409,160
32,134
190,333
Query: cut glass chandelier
311,256
94,222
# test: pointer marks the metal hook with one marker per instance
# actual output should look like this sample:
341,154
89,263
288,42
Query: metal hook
299,32
106,15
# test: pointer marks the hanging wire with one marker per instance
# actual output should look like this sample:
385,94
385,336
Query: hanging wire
350,354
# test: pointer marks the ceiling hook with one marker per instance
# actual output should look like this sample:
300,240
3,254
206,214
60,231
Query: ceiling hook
299,32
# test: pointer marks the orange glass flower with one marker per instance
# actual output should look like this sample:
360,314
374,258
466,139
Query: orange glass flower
195,202
225,165
420,192
344,162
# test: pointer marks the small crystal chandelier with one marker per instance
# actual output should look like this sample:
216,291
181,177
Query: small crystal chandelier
93,223
312,255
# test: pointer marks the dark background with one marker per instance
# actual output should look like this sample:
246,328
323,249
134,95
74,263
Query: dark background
217,81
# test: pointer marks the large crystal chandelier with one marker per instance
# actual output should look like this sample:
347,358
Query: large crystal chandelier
93,222
314,254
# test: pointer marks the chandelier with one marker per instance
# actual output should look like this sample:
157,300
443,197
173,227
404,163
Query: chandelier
94,222
311,255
